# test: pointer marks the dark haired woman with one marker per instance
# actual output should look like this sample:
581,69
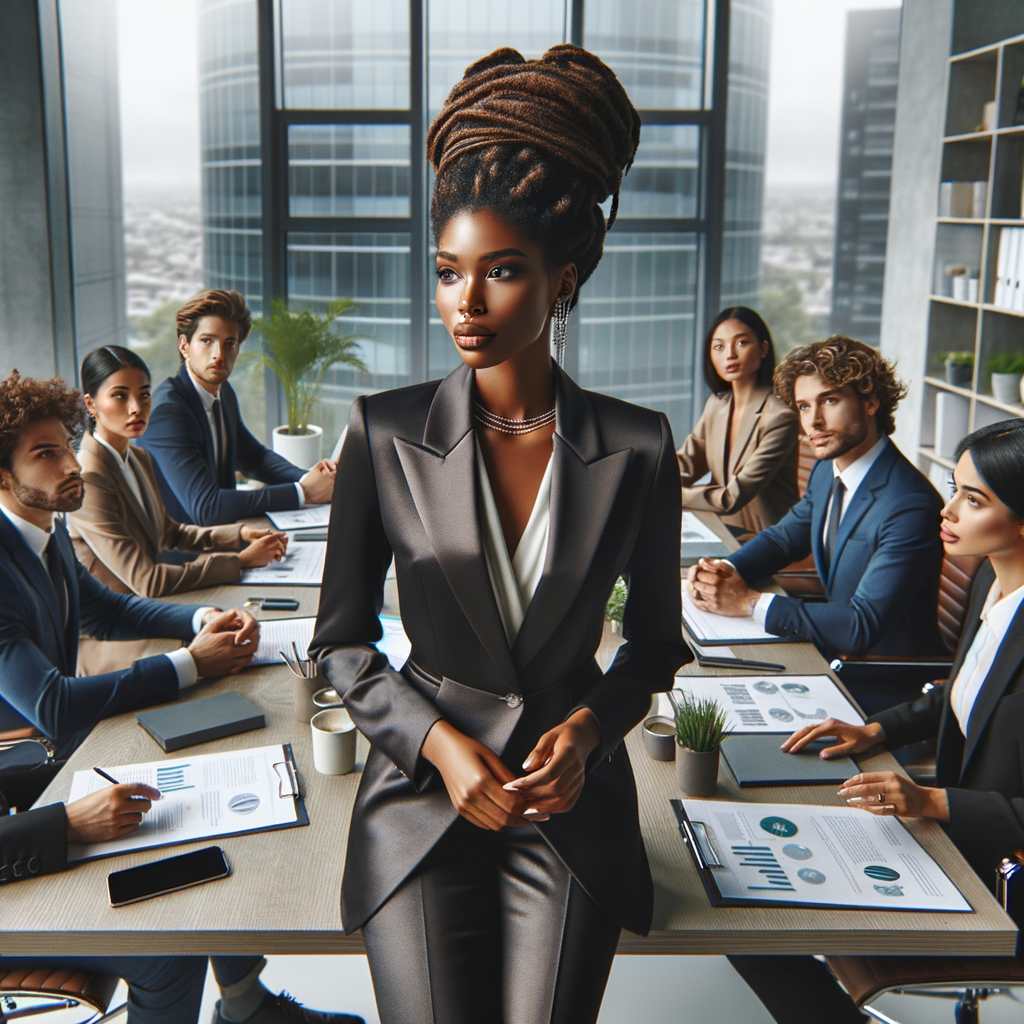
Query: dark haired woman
746,437
978,716
495,851
122,527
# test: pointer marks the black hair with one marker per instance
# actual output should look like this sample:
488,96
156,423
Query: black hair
998,455
102,363
749,318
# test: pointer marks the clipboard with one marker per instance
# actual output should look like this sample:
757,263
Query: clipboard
288,785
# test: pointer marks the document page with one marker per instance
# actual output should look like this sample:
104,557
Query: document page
301,518
204,796
303,566
777,703
819,856
698,540
697,531
711,630
277,635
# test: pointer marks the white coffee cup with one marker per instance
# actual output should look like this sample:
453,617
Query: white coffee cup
334,741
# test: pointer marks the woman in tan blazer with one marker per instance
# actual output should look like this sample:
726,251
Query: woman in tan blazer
122,527
746,437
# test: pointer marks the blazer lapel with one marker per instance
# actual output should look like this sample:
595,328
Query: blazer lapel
69,635
442,477
584,485
818,487
718,431
116,475
187,390
748,423
1006,664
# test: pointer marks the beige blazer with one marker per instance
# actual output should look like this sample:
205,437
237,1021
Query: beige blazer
759,485
120,544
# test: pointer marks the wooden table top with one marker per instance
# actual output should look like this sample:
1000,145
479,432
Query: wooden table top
283,892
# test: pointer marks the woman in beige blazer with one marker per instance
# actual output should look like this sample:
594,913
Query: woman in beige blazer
122,527
746,437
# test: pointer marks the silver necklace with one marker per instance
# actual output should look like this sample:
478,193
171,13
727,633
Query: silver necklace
504,425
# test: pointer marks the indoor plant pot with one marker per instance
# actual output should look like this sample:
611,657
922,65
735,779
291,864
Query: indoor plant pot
302,450
959,369
700,729
1006,387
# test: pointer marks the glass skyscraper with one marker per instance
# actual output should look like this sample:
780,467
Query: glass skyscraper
348,102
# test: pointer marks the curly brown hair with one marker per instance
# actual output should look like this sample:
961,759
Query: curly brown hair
24,401
217,302
840,361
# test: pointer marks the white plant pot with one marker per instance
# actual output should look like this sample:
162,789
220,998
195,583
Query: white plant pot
302,450
1006,387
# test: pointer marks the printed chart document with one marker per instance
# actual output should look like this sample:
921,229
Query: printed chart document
204,796
811,856
279,634
699,541
301,518
774,703
303,566
711,630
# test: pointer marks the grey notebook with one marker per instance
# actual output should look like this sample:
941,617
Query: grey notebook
196,721
756,760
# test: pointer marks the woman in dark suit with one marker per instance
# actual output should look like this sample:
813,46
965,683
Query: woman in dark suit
746,438
978,716
495,850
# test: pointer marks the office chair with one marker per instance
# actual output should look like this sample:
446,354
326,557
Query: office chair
30,993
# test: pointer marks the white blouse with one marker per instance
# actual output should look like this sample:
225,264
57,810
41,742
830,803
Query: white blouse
514,580
996,617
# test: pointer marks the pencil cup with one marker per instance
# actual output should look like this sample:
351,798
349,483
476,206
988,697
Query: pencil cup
697,771
302,696
660,738
334,741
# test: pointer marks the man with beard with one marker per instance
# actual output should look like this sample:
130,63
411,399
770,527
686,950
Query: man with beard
47,599
869,517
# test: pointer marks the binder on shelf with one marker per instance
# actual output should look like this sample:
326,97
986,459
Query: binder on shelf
1016,268
999,291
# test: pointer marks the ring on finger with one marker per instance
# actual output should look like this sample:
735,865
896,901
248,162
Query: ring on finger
881,798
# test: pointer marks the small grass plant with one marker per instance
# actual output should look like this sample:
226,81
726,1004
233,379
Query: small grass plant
700,724
616,602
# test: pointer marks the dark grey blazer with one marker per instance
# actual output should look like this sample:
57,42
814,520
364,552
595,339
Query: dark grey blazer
983,773
407,486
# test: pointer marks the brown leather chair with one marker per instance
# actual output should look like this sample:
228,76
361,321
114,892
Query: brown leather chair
42,990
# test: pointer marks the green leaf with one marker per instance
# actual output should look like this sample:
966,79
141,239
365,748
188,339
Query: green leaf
700,724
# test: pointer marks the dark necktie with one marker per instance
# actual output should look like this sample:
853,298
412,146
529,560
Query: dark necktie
219,452
835,502
55,567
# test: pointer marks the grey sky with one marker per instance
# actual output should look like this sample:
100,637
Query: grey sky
160,90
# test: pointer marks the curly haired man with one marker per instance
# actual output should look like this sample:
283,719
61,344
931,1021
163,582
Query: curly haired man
868,516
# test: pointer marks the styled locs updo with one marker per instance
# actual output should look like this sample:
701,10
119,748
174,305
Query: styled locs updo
540,143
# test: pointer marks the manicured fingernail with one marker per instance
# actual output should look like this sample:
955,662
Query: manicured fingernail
843,792
527,764
511,787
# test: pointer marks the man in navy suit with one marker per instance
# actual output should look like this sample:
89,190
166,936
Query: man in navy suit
870,518
196,435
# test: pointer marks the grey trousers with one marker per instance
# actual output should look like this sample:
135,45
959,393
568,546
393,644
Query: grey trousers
491,929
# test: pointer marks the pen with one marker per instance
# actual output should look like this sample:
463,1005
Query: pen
109,778
760,666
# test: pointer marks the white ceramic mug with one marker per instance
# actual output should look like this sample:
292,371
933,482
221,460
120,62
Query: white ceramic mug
334,741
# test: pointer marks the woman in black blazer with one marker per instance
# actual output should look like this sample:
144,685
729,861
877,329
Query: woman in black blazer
978,716
495,849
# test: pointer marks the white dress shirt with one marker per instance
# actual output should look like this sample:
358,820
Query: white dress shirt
852,477
996,617
514,580
36,540
208,399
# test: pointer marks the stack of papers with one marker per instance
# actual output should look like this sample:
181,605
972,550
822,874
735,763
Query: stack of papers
303,566
699,541
279,634
712,630
301,518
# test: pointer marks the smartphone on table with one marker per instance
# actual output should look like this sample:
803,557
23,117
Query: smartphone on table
168,875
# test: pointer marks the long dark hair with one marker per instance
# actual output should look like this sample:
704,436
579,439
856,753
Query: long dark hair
749,318
998,454
102,363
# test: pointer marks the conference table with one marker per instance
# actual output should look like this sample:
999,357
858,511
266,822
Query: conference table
283,892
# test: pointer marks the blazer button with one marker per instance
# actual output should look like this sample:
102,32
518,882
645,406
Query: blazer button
18,868
33,865
513,700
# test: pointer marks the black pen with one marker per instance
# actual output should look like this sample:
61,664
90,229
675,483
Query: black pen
109,778
760,666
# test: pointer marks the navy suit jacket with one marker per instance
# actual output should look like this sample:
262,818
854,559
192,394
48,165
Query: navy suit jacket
37,657
883,584
181,443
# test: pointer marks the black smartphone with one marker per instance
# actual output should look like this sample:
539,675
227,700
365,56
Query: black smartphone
280,604
168,875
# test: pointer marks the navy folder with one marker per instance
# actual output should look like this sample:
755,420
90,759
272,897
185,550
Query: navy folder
756,760
196,721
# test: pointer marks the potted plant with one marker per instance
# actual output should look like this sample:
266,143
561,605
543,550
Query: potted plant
959,368
700,729
1007,369
299,348
616,606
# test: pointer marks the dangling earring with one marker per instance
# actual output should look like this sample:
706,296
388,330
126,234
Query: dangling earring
560,326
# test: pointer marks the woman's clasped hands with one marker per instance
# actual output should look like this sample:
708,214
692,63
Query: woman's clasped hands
489,795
